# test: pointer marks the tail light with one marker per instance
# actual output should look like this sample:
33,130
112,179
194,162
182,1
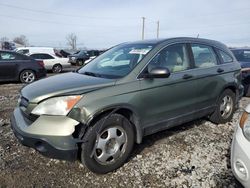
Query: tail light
41,63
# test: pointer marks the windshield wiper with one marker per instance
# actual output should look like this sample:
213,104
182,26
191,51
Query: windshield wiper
92,74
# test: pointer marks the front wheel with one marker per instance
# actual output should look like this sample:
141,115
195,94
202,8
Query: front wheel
225,107
108,144
27,76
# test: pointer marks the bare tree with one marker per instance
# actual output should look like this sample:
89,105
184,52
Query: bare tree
71,40
22,39
4,39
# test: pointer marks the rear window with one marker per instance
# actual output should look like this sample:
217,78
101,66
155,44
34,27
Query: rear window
225,57
8,56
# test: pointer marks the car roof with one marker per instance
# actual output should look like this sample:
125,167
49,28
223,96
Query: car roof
7,51
179,39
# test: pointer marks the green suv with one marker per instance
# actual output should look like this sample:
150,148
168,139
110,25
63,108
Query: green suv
134,89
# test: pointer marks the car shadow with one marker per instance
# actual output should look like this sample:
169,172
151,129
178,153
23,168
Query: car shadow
150,140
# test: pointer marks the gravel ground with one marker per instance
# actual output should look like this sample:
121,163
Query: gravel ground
196,154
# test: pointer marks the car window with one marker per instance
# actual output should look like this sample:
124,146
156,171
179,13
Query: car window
174,57
42,56
35,56
225,57
24,51
46,56
6,56
204,56
242,55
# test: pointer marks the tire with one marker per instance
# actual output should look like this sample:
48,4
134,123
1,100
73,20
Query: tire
27,76
57,68
246,90
246,84
115,135
80,63
225,107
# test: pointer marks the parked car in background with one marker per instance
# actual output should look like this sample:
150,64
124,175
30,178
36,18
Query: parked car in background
64,53
92,55
8,45
78,58
83,57
90,59
18,67
243,57
240,150
132,90
31,50
52,62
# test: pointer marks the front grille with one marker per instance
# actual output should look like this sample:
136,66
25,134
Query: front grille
23,106
24,102
30,117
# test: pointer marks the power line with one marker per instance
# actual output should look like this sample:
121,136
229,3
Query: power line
61,23
60,14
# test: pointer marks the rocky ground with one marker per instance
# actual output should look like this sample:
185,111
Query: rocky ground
196,154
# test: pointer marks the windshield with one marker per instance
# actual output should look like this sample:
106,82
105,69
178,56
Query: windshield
116,62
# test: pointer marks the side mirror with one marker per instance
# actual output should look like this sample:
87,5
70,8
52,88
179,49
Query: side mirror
158,72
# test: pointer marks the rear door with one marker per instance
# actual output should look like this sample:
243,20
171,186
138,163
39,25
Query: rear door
209,75
168,99
8,66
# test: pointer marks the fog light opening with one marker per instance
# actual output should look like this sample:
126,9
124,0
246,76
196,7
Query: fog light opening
241,170
40,147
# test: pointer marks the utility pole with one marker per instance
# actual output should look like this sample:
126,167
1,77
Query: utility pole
158,28
143,27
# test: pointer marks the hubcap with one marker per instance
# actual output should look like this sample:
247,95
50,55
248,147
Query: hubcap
28,77
110,145
226,107
57,68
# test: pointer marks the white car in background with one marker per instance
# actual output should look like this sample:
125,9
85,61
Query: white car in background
52,62
31,50
240,151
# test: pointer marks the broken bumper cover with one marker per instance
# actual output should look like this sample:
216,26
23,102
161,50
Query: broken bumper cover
54,146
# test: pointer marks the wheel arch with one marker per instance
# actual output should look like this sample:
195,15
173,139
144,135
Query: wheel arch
126,111
233,87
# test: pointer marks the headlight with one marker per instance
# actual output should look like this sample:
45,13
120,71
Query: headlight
56,106
245,124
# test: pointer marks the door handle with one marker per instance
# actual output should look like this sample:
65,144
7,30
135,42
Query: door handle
219,70
187,76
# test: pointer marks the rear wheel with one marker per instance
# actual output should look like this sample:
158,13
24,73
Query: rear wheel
225,107
108,144
57,68
27,76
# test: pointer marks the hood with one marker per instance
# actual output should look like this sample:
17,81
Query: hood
63,84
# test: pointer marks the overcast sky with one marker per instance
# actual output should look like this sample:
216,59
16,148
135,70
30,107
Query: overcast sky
101,24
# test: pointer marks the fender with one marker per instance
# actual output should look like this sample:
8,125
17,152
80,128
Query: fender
109,109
